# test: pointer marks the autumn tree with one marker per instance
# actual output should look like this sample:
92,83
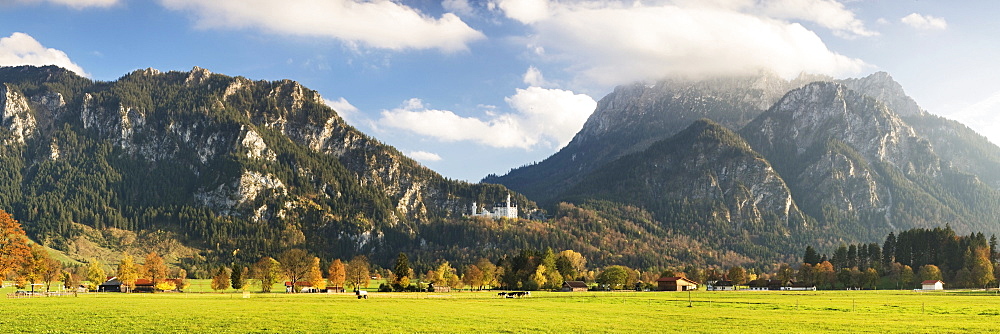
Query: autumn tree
401,272
785,272
128,272
34,266
357,272
95,274
489,271
980,268
929,272
295,262
154,268
571,264
315,275
553,278
336,274
13,244
825,274
220,282
267,271
472,276
737,274
182,281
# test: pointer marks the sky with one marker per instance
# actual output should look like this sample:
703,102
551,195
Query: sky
470,88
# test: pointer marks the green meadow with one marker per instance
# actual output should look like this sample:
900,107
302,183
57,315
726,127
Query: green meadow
622,312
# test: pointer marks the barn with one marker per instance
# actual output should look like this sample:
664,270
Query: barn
675,284
932,285
574,286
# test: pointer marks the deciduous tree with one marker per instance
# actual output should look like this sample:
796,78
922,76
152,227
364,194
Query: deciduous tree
929,272
128,273
315,275
357,272
220,282
614,277
267,271
13,244
737,274
295,262
154,268
472,276
336,274
95,274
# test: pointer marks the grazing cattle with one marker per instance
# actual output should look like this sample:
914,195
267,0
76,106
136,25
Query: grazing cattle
501,294
361,294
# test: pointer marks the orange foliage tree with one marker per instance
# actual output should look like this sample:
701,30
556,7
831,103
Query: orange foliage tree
13,244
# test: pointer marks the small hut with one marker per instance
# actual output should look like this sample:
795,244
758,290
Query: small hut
932,285
574,286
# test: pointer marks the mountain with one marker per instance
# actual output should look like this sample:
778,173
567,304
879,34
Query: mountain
223,164
851,160
635,116
707,182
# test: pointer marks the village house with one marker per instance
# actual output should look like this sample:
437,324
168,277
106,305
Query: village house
721,286
574,286
303,286
932,285
675,284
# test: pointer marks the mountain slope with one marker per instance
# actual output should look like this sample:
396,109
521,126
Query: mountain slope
705,182
222,162
635,116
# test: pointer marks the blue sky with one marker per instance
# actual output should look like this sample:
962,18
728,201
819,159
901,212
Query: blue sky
476,87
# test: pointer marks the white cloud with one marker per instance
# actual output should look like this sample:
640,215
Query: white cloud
613,42
827,13
377,23
345,109
423,156
533,77
525,11
460,7
78,4
924,22
983,116
22,49
541,117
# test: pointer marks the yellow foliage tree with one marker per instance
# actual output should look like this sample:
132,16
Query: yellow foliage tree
128,273
315,275
336,274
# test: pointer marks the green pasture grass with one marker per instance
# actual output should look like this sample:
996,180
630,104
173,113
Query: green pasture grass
587,312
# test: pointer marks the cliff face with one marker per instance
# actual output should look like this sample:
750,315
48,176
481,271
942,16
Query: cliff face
223,160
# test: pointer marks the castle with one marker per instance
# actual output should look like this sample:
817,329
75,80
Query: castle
500,210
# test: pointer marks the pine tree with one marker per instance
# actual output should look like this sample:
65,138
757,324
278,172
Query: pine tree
239,277
401,272
810,257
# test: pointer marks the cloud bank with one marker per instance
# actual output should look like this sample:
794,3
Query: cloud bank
614,42
424,156
541,117
22,49
378,23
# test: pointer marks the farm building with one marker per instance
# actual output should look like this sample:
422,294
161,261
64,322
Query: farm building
574,286
932,285
721,286
432,288
799,286
303,286
675,284
113,284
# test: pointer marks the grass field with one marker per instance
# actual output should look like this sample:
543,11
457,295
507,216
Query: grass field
623,312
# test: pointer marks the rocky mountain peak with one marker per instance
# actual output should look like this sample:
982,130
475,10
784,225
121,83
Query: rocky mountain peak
881,86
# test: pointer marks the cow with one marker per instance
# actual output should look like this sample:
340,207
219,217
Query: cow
361,294
501,294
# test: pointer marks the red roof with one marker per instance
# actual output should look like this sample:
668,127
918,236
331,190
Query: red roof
674,279
932,282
